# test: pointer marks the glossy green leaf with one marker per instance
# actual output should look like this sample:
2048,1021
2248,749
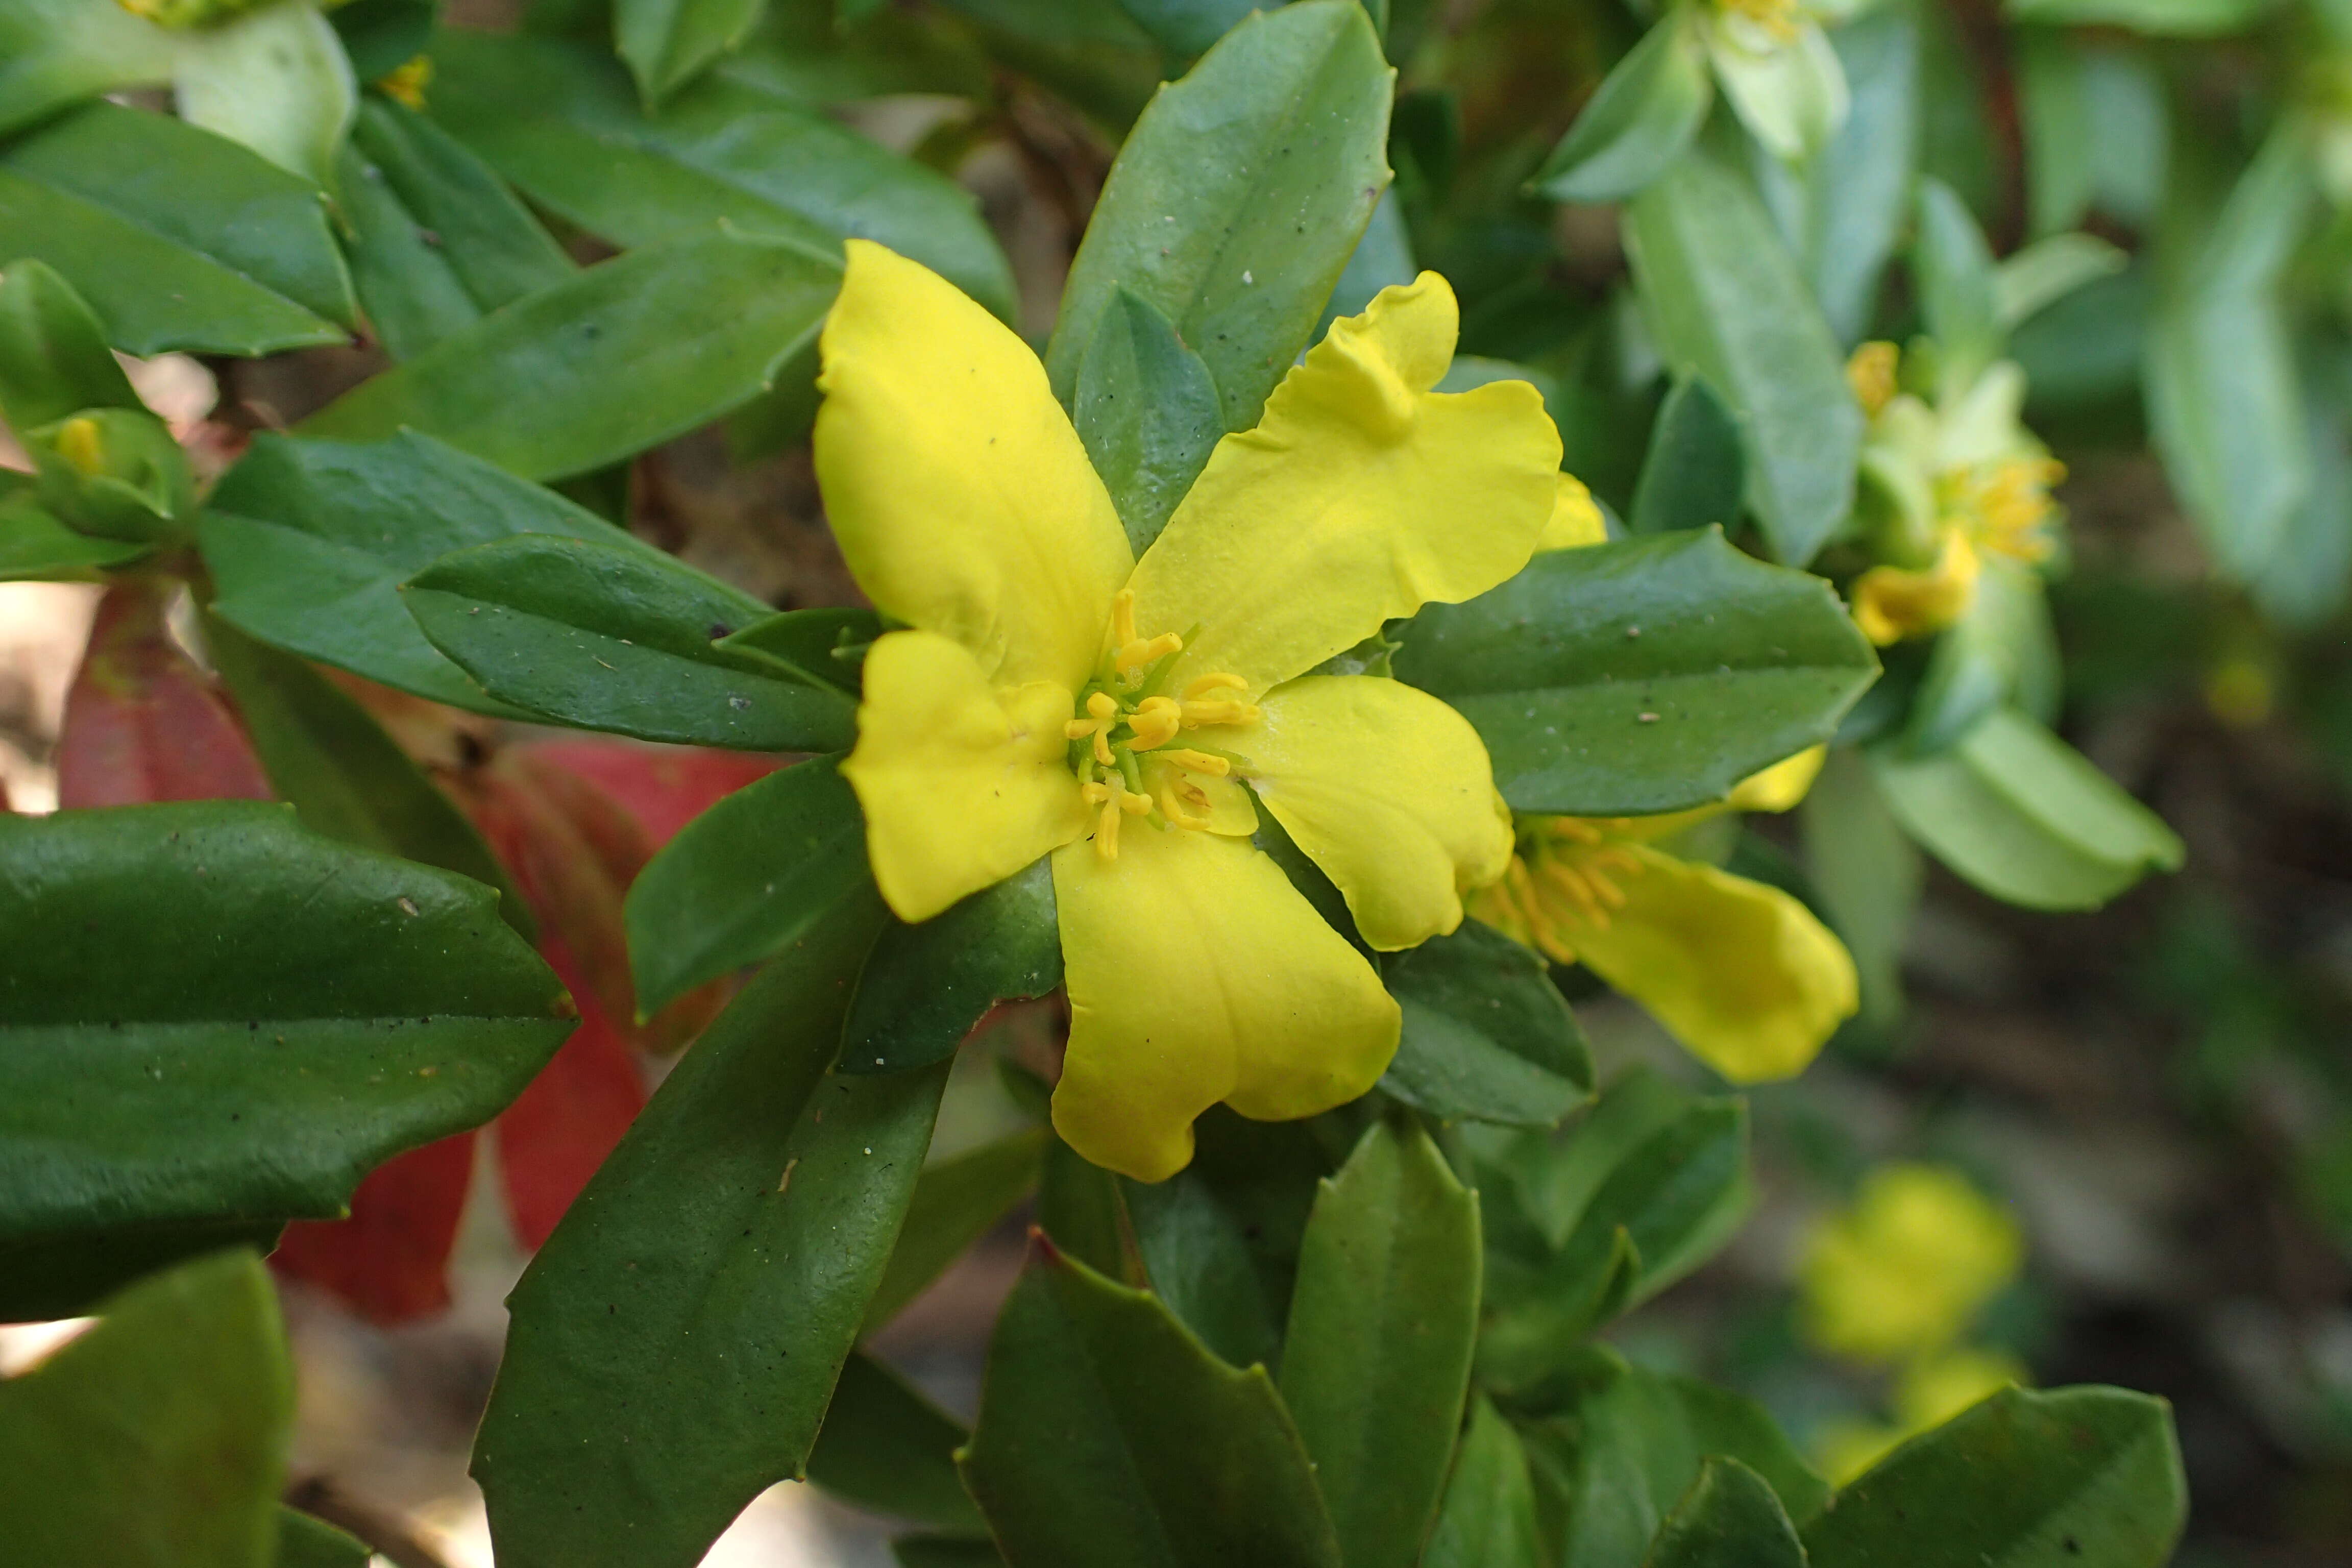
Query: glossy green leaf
54,361
177,237
725,149
621,357
928,985
2021,815
2048,270
618,640
957,1202
667,43
676,1341
887,1450
1960,300
1725,299
1644,117
1728,1519
1486,1036
1196,1256
2157,18
35,546
307,542
748,877
1109,1436
1147,409
1377,1358
58,52
1694,473
312,1010
1237,200
436,241
1488,1520
825,647
346,779
1643,676
158,1438
276,79
2224,406
2026,1479
307,1542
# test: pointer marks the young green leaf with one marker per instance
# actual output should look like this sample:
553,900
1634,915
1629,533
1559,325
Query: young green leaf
1486,1036
2021,815
667,43
1959,287
1648,674
887,1450
1239,196
1644,117
675,1343
158,1438
1488,1520
54,361
748,879
621,357
825,646
2074,1475
1857,190
1726,300
54,53
1147,409
314,1009
2049,269
1377,1359
618,640
1728,1519
36,547
1108,1438
956,1202
1693,474
276,79
927,984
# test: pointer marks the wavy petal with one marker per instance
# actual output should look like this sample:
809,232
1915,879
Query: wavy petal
1197,973
962,500
1361,496
1576,521
963,782
1388,791
1740,973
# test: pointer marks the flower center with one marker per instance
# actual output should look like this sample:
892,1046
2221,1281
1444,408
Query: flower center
1776,19
1564,878
2003,506
1119,739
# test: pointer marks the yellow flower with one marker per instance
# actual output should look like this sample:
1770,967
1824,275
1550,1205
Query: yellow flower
1054,696
1903,1270
405,83
1740,973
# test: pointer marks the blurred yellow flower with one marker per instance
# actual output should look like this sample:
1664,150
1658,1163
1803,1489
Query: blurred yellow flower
1930,1391
1054,696
1903,1270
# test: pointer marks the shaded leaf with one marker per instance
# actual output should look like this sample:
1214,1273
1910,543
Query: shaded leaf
1488,1520
1486,1036
1195,1255
1693,474
887,1450
307,1542
58,52
1147,409
956,1202
667,43
926,985
825,646
1645,115
54,361
1728,1519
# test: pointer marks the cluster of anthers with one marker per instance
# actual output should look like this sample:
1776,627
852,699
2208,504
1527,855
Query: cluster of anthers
1563,876
1128,720
2003,506
1779,18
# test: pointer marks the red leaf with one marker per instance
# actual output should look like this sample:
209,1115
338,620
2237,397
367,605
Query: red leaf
389,1260
552,1138
142,723
663,787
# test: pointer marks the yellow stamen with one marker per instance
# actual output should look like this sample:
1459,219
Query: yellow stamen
1199,762
1102,748
1170,792
1198,715
1221,681
1122,617
1106,831
1155,723
1871,374
1135,653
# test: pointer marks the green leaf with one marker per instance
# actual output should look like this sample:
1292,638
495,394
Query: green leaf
2157,19
928,985
1644,117
1858,187
1724,300
945,1552
1109,1437
276,79
1082,1210
1087,51
2224,407
887,1450
676,1341
2023,1480
1728,1519
1866,874
381,36
1186,28
158,1438
58,52
815,54
54,361
2021,815
2048,270
1237,200
66,1275
667,43
1694,473
725,149
308,542
956,1202
436,242
748,879
307,1542
1377,1358
1958,286
618,640
814,646
621,357
1643,676
346,779
177,237
1488,1520
1486,1036
1147,409
1983,659
1383,259
1195,1255
35,546
311,1010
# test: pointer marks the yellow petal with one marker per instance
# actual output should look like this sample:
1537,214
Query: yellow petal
1387,790
1892,603
1361,496
1781,786
1741,974
1902,1271
1576,520
1197,973
961,498
963,782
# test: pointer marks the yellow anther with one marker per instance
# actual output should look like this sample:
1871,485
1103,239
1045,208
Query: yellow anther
1199,762
1103,706
1221,681
1871,374
1123,617
1106,831
1094,791
1135,653
1155,723
1102,748
1134,805
79,444
1115,802
1170,791
1193,793
1197,714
